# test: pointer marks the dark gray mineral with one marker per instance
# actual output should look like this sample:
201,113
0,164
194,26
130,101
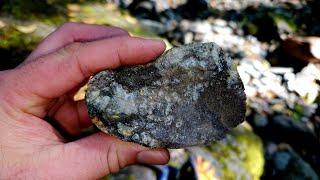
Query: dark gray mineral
189,96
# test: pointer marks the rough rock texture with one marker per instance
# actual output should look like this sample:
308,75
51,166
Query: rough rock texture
191,95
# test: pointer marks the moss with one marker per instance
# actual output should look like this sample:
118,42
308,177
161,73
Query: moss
46,15
56,12
108,15
240,154
47,11
15,46
281,18
254,159
10,37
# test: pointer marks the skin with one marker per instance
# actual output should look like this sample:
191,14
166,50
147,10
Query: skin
44,85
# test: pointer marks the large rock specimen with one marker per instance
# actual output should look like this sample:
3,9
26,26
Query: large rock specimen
189,96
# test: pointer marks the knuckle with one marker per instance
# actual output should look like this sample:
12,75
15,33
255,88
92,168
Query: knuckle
71,49
122,43
113,159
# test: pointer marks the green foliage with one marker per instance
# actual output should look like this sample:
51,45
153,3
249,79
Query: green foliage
23,9
251,27
15,46
278,20
45,16
297,112
42,9
281,18
10,37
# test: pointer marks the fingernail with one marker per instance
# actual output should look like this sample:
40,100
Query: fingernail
153,157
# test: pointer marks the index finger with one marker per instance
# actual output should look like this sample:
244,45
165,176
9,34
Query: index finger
57,73
74,32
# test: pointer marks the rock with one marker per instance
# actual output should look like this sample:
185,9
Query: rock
27,29
201,27
185,25
227,159
189,96
285,163
296,133
153,26
240,155
260,120
305,83
188,37
121,3
201,165
134,173
178,157
2,24
159,5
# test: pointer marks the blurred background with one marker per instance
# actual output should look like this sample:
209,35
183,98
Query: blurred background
276,44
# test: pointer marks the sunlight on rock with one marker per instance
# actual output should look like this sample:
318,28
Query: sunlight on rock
73,7
81,93
205,170
2,24
27,29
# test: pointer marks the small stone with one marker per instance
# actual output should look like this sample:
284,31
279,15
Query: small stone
282,160
192,95
185,25
260,120
134,172
188,37
201,27
2,24
153,26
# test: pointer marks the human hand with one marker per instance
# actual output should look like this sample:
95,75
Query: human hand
44,85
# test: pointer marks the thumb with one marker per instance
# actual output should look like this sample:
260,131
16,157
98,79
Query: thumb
99,154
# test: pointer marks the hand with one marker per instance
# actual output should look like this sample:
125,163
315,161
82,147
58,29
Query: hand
44,85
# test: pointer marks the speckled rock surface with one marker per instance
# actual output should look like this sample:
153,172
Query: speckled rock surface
189,96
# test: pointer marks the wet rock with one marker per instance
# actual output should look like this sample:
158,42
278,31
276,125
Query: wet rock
260,120
191,95
238,156
296,133
285,163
